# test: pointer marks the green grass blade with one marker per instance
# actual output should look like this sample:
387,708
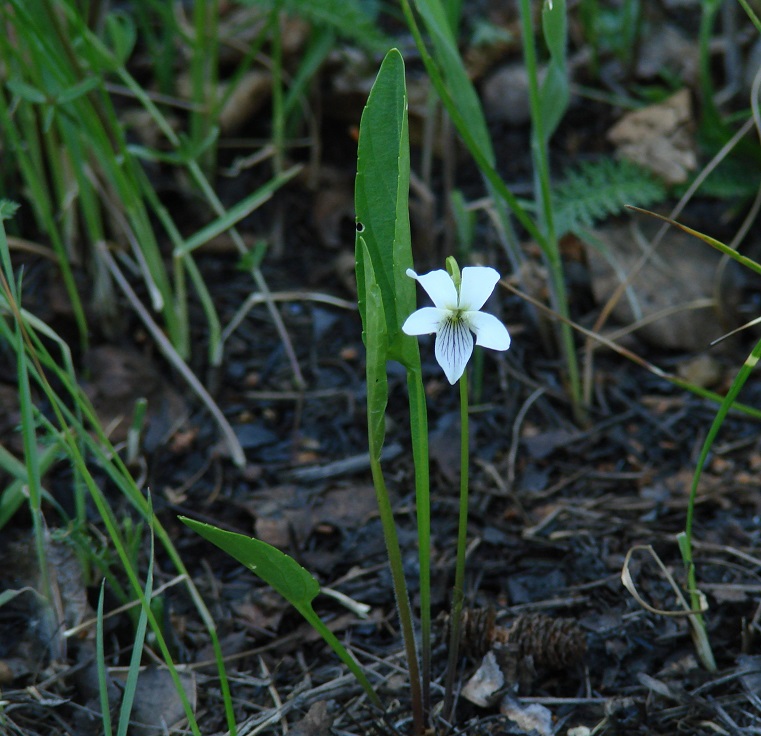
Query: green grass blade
721,414
751,14
11,292
79,441
555,90
235,214
721,247
130,686
468,120
100,664
454,74
685,538
14,495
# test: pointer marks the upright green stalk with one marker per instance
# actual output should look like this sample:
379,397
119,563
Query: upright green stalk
699,632
204,78
540,134
278,109
458,591
419,438
376,345
400,590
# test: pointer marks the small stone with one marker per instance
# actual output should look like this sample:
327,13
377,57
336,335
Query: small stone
505,95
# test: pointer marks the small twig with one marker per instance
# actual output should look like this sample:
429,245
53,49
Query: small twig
126,607
345,466
519,417
236,451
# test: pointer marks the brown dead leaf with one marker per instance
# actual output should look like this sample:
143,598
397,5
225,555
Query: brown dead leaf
702,370
316,722
284,515
121,376
250,94
68,588
274,530
680,273
333,207
659,137
255,617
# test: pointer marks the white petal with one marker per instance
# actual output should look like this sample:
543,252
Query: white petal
454,346
490,332
424,321
478,282
439,286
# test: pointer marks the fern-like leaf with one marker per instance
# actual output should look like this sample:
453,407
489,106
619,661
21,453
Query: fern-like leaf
599,189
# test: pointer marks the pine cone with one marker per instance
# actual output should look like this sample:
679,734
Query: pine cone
553,643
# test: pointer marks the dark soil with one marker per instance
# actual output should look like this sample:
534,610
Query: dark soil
556,505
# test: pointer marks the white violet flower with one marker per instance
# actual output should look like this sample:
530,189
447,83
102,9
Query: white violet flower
456,314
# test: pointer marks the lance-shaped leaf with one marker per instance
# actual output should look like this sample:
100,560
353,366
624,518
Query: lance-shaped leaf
287,577
555,91
381,199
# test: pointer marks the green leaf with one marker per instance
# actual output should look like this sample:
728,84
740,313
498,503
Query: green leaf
121,35
554,93
283,574
455,76
277,569
376,347
78,90
594,190
8,209
381,199
26,91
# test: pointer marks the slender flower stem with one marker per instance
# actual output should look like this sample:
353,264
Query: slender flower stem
404,608
462,538
542,188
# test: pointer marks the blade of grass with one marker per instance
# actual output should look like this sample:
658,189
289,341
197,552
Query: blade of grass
237,212
130,686
204,65
721,247
15,494
96,446
686,539
101,55
547,104
634,358
100,662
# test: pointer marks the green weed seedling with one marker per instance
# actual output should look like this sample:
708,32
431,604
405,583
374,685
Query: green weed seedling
685,538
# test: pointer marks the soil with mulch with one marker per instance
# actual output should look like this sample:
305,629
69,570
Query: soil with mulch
559,509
